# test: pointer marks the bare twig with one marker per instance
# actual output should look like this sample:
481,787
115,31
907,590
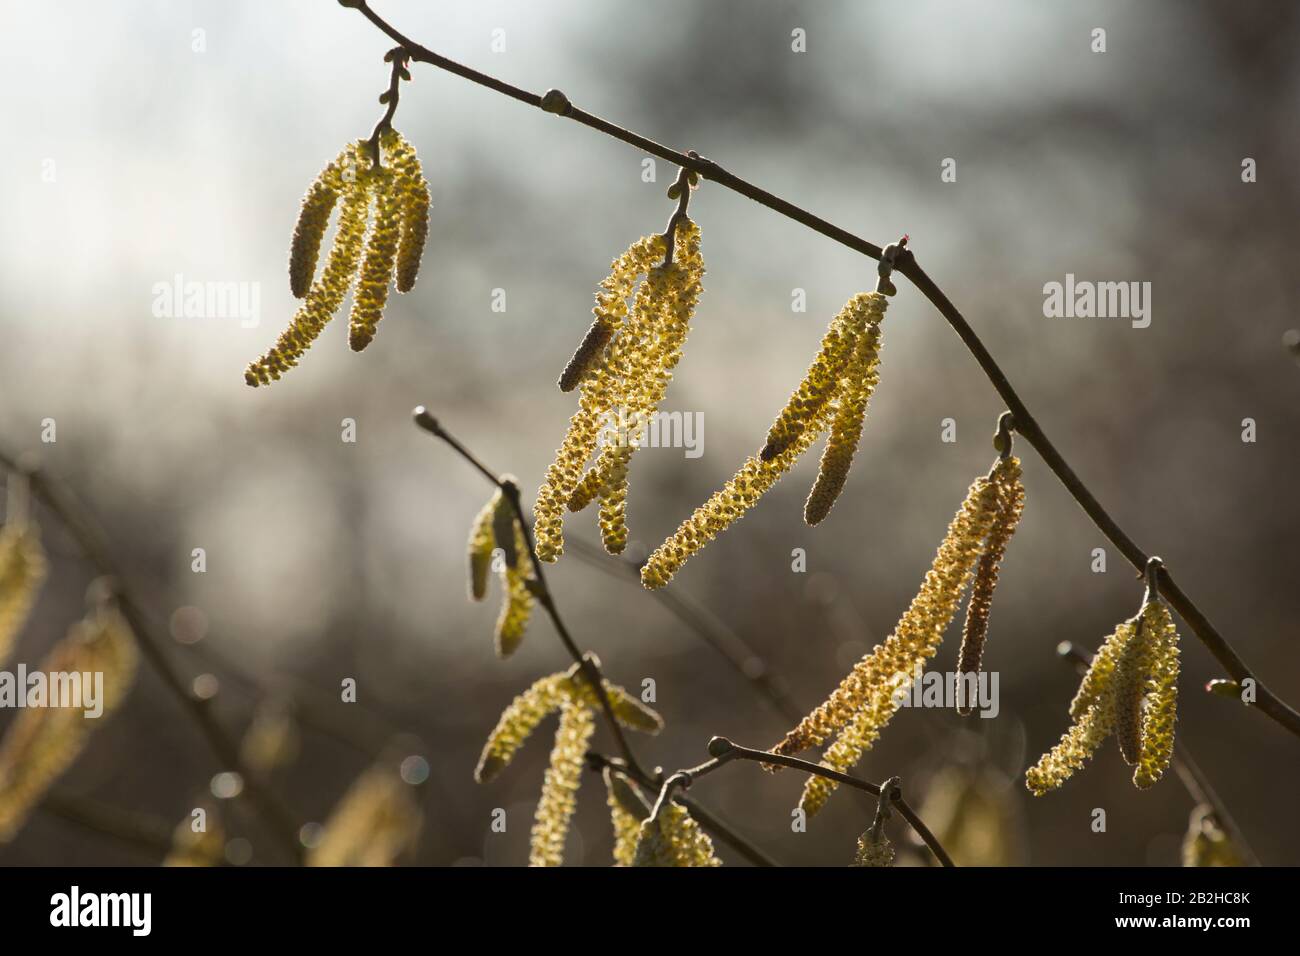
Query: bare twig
905,263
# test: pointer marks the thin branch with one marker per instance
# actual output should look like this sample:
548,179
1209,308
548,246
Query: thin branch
590,668
77,519
729,645
126,826
724,751
1266,702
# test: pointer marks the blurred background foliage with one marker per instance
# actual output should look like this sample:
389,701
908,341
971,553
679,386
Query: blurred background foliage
329,560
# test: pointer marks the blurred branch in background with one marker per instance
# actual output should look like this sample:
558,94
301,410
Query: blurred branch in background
70,512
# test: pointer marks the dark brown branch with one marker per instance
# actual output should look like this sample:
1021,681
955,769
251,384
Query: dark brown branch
1266,702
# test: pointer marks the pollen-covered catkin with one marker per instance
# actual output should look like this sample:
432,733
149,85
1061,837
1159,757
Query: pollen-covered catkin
874,849
482,542
313,219
413,191
1011,504
44,740
623,366
374,823
860,378
22,569
1133,679
871,694
518,721
673,838
809,412
377,266
627,808
326,293
395,245
560,785
516,602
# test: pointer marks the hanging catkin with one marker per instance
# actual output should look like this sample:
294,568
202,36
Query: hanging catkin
833,395
871,694
392,249
623,367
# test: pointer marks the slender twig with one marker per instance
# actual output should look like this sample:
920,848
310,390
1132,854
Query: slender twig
127,826
905,263
589,666
397,56
77,519
723,751
702,814
729,645
1189,772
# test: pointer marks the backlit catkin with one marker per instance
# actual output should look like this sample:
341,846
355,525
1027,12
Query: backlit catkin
44,740
871,694
570,694
834,395
1011,504
673,838
22,569
560,785
874,849
497,526
1130,690
375,822
622,367
627,808
393,247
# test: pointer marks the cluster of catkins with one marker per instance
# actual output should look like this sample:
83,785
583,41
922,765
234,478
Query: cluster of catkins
622,368
496,538
390,198
374,823
1129,690
867,699
576,700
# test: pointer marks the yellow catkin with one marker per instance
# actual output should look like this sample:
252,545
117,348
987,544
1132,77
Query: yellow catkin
560,785
517,722
326,293
1011,504
414,201
206,847
861,375
504,530
874,849
624,366
673,838
809,412
627,808
375,822
871,694
43,741
821,382
22,570
481,544
546,695
1136,672
1160,706
313,219
1206,843
381,257
516,601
